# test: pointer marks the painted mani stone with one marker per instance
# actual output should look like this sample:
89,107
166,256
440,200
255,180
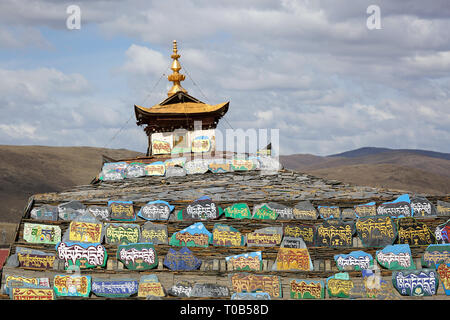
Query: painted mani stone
238,211
138,256
196,166
149,285
34,259
245,282
45,212
264,212
244,164
443,270
329,212
304,210
155,169
154,233
365,210
207,290
395,257
251,261
99,212
32,294
265,237
415,282
182,260
218,166
82,255
250,296
41,233
442,233
354,261
70,210
283,212
414,233
224,235
156,210
19,281
195,235
122,233
72,285
135,170
181,289
201,209
436,254
340,285
303,231
119,288
293,259
122,210
335,233
377,231
421,207
306,289
81,231
443,208
400,207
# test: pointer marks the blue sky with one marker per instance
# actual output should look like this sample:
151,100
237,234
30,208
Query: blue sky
313,70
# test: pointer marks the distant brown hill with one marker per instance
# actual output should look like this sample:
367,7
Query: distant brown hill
27,170
396,169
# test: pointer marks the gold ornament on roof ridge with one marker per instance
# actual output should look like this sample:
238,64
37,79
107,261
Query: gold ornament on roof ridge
175,77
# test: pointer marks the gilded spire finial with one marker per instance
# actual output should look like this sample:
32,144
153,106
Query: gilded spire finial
175,77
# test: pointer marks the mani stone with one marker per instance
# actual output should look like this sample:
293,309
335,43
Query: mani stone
264,212
443,208
348,214
135,170
46,212
250,296
365,210
182,289
122,233
329,212
421,207
156,210
436,254
400,207
413,232
175,171
207,290
444,274
179,162
220,166
416,282
182,260
265,237
70,210
305,210
442,232
283,212
293,243
196,166
395,257
154,233
238,211
101,213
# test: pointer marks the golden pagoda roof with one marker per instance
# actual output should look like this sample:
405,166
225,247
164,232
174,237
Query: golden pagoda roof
183,108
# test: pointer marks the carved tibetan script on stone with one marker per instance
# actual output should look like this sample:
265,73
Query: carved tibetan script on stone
421,207
264,211
416,282
72,285
340,285
81,254
415,233
306,232
80,231
32,294
265,237
365,210
138,256
251,261
36,261
122,210
444,274
355,260
182,260
395,257
400,207
243,282
293,259
122,233
201,209
114,288
238,211
306,289
436,254
154,233
156,210
195,235
41,233
335,233
227,236
378,231
304,210
329,212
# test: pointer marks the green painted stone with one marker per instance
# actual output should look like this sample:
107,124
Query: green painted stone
138,256
238,211
264,212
